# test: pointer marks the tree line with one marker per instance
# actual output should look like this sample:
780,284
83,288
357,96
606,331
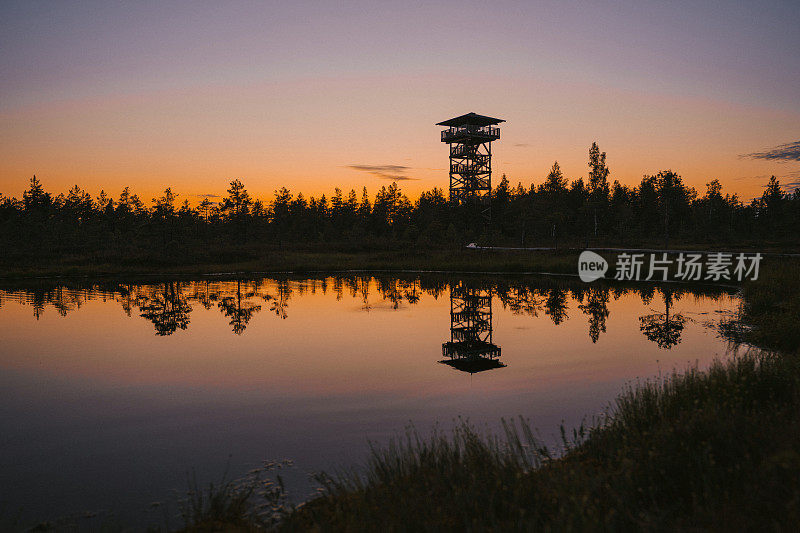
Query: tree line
661,209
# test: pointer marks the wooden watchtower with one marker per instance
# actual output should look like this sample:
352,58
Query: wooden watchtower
470,138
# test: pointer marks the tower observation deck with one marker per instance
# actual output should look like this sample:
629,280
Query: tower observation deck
470,138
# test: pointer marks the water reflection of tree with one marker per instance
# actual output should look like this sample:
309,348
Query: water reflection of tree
389,290
556,305
363,290
433,287
62,298
38,302
646,293
596,307
281,301
661,328
167,308
204,295
520,300
338,288
238,308
411,291
60,302
127,298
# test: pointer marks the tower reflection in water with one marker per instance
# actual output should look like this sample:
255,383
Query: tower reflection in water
470,348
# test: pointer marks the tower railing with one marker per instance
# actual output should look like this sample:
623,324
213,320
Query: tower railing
462,168
468,151
461,131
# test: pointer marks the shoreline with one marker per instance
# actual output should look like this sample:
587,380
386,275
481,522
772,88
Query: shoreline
305,263
549,262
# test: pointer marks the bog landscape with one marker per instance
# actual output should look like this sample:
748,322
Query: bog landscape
272,267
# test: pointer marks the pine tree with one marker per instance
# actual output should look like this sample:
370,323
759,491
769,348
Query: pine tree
598,183
35,197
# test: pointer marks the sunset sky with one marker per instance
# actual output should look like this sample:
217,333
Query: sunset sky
316,95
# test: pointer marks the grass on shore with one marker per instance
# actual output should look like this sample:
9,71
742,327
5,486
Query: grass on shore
456,260
770,316
231,505
182,260
716,450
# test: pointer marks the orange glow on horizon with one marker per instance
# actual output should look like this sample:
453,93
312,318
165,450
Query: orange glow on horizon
307,135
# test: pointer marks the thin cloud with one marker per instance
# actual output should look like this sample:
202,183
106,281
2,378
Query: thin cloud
385,172
398,178
791,186
765,177
522,145
784,152
207,195
788,186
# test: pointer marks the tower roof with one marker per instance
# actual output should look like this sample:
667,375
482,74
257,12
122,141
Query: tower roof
472,119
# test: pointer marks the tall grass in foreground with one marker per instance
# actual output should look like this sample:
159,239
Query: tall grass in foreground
716,450
252,503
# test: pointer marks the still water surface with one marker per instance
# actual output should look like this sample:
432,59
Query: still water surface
110,393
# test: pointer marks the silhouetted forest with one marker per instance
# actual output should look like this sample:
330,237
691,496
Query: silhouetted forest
660,210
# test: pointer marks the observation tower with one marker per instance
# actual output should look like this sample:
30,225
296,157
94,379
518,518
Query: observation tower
470,138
